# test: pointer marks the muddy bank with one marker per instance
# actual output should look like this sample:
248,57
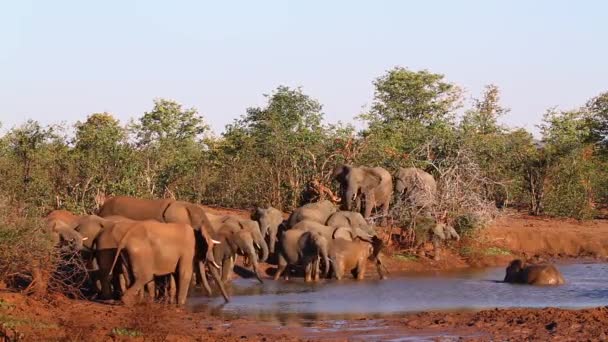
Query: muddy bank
61,319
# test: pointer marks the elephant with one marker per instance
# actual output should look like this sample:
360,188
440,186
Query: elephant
351,219
163,210
350,254
313,226
518,272
303,248
59,225
269,219
240,236
417,187
318,212
102,235
157,249
374,184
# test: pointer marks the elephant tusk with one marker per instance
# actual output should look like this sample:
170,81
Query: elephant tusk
215,265
85,238
215,242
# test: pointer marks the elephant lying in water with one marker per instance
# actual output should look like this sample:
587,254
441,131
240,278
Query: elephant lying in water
518,272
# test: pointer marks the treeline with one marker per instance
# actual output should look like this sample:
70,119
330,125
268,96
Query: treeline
271,154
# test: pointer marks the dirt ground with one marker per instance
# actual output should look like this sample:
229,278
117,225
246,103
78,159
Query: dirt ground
61,319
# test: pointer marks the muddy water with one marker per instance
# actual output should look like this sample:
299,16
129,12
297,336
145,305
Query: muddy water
587,286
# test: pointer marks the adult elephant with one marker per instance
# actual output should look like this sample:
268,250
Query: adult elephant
269,220
374,184
520,273
163,210
317,212
156,249
302,248
417,187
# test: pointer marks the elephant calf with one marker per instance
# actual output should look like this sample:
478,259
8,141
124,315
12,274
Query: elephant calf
351,255
518,272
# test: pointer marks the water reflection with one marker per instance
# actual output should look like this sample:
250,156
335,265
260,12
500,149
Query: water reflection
296,303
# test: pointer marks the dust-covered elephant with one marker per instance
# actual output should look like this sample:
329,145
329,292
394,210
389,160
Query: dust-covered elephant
416,187
163,210
59,224
269,219
318,212
351,219
302,248
156,249
349,254
238,236
519,273
374,184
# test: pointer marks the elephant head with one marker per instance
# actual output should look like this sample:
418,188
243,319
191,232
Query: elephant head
354,181
67,235
416,186
269,220
514,271
258,239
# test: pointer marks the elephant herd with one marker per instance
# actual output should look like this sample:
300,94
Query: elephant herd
143,246
153,246
159,247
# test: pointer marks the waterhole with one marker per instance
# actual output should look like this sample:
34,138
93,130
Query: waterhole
586,286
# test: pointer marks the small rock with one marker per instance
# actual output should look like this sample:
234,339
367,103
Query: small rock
551,326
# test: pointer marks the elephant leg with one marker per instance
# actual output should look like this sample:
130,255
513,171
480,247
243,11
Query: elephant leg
308,271
369,205
182,281
314,272
361,270
281,266
172,289
151,289
227,267
385,208
217,279
338,266
203,273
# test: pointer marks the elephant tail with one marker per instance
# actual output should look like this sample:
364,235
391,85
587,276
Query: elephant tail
121,246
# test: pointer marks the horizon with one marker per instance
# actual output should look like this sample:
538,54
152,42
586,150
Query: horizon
67,60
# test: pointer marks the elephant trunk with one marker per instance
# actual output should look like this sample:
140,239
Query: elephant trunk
219,283
252,255
264,246
73,236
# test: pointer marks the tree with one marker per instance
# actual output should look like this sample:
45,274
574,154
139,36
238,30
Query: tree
409,109
483,118
281,140
169,122
171,140
102,158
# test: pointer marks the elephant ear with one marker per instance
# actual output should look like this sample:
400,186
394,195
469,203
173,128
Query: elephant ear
343,233
370,180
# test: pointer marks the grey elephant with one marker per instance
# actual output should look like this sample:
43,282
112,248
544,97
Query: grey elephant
373,184
269,220
417,187
349,254
442,232
318,212
520,273
351,219
239,236
302,248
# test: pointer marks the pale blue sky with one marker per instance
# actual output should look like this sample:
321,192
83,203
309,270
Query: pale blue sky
62,60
